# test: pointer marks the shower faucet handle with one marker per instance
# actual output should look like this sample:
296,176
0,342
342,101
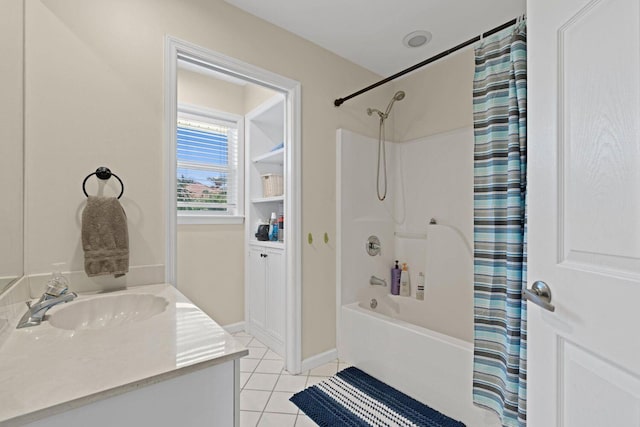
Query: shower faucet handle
373,246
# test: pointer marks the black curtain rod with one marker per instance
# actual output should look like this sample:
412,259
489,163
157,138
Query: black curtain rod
338,102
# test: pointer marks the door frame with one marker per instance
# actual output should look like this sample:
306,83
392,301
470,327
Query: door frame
175,49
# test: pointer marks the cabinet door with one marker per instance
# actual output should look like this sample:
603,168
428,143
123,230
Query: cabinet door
256,286
275,293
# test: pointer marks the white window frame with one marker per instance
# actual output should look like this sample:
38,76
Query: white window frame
195,217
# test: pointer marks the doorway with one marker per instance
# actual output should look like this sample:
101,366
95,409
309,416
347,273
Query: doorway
212,106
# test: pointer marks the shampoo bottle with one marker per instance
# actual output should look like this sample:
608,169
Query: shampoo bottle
420,288
405,286
395,279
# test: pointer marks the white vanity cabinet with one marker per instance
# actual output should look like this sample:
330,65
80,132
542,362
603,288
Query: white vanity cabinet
204,397
175,367
265,286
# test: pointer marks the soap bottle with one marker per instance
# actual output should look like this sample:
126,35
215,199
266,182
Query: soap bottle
405,287
273,228
395,279
420,288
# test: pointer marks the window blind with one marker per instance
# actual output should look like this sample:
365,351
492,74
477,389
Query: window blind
207,166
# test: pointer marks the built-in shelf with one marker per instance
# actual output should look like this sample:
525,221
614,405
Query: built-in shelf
267,244
266,277
276,156
401,298
403,235
268,199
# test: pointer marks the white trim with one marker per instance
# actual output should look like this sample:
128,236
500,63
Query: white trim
236,393
339,135
234,327
196,111
266,338
319,360
293,242
170,127
176,48
209,219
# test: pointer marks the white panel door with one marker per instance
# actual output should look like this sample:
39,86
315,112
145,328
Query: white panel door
584,212
276,307
257,287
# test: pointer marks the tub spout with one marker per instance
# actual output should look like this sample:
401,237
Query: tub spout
376,281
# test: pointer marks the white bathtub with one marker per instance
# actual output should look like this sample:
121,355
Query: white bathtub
431,367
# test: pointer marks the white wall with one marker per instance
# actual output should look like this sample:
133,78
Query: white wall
94,96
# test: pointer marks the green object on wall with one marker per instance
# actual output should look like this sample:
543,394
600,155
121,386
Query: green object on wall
310,239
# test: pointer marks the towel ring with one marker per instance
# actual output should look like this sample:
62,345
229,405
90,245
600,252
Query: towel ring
103,173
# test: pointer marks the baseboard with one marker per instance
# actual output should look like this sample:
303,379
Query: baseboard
319,359
234,327
79,281
266,338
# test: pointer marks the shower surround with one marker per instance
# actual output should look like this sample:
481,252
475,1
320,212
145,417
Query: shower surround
423,348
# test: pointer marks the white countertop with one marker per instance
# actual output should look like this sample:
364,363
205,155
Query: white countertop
45,370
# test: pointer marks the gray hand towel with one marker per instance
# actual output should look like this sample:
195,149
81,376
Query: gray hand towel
105,237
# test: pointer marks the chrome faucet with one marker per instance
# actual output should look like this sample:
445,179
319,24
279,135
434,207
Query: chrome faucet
376,281
55,294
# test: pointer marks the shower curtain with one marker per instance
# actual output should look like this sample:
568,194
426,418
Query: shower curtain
500,257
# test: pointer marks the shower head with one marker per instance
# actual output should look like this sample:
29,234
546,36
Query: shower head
398,96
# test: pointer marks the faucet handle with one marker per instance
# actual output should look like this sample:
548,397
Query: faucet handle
57,285
28,303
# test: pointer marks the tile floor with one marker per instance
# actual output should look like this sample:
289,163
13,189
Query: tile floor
266,387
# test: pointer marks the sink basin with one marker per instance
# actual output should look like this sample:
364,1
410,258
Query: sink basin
107,311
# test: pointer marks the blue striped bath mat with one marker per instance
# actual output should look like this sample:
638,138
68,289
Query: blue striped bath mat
354,398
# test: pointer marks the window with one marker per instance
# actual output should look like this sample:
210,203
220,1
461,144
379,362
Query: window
209,173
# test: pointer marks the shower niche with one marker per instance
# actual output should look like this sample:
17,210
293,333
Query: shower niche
265,278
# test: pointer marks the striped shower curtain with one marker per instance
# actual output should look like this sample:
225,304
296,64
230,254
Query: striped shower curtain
500,257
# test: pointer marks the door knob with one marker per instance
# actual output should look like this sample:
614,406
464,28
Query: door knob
539,294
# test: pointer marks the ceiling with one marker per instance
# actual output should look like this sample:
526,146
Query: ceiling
370,32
